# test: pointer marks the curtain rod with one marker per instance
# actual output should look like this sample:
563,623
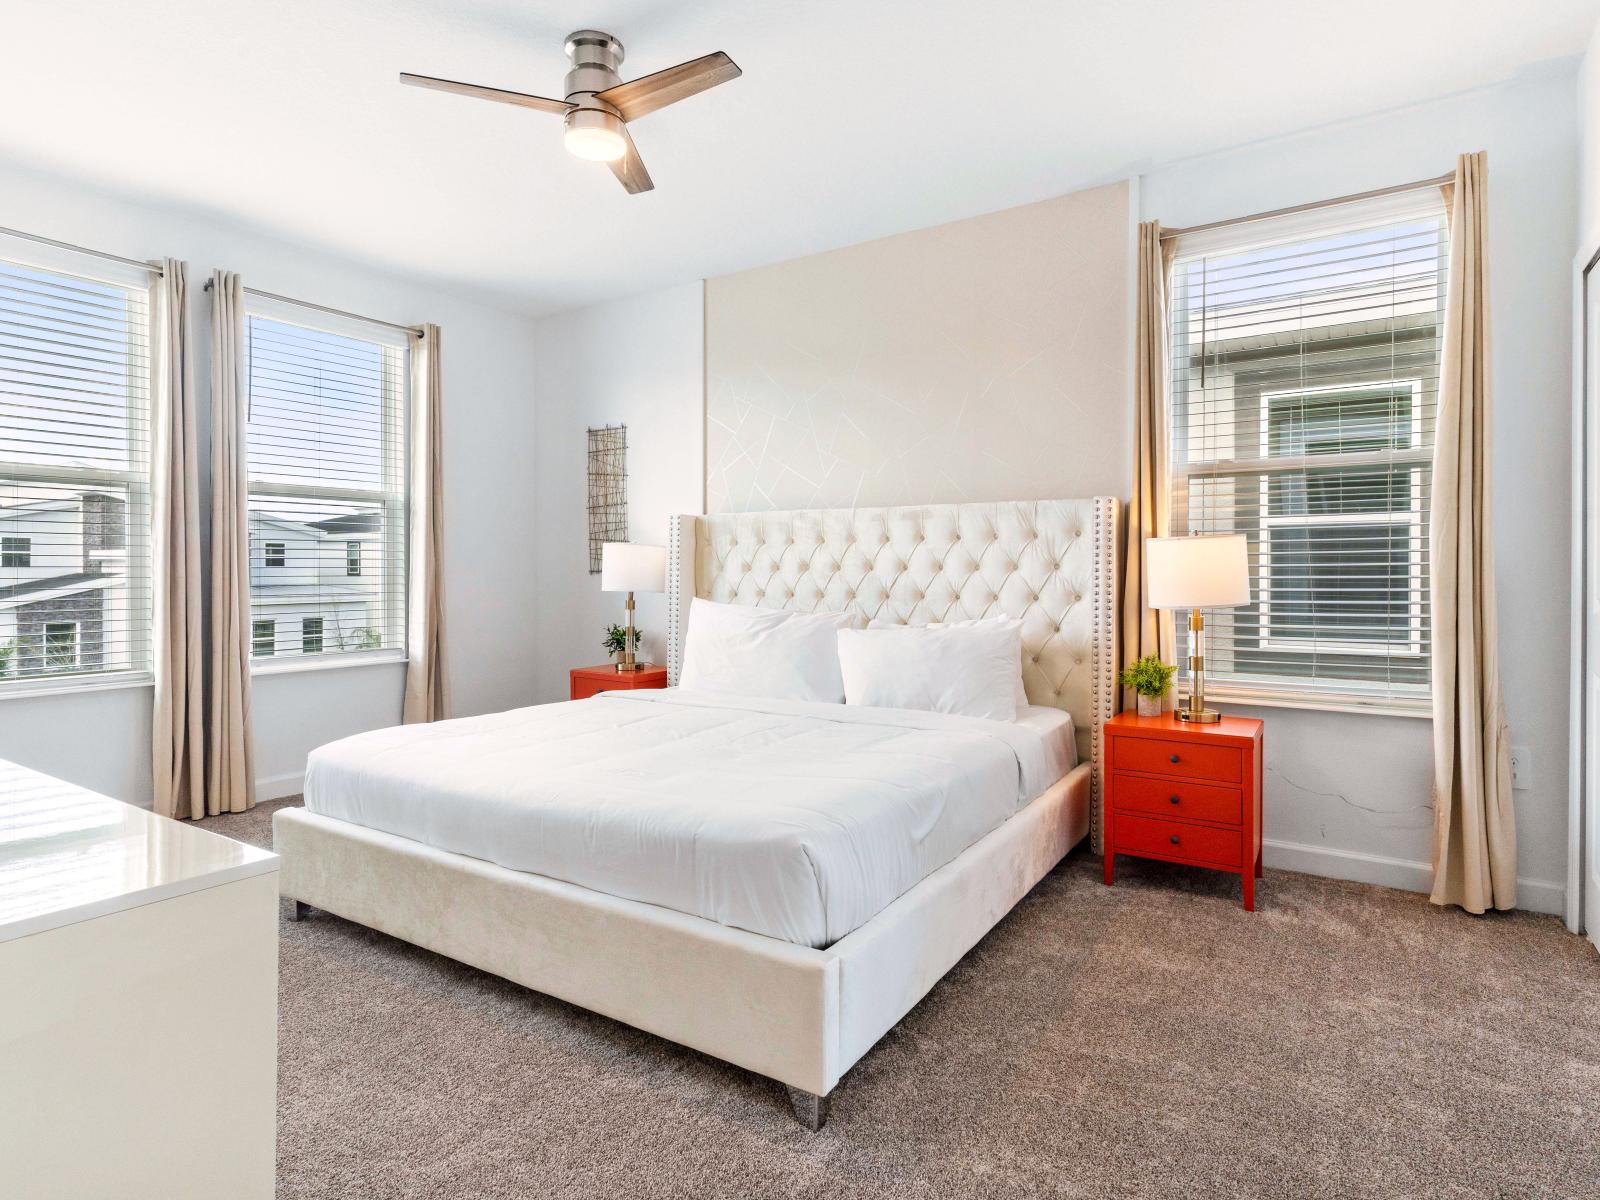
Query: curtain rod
1418,186
413,330
117,258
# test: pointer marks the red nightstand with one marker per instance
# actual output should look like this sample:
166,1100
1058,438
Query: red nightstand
1185,793
586,681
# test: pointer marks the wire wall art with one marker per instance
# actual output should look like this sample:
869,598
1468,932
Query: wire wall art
608,489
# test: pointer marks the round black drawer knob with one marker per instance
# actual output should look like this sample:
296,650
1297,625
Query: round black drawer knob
1174,839
1173,758
1172,799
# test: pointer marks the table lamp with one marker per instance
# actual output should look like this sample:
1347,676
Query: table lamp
1197,572
625,567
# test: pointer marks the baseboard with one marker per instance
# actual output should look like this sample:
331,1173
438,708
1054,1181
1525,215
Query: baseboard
1535,895
276,787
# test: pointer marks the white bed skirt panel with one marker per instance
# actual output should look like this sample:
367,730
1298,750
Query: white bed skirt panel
796,1014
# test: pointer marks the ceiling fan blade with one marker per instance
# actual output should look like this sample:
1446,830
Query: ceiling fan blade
521,99
629,169
640,96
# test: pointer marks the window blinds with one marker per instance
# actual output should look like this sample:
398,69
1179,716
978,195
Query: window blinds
74,471
326,438
1304,378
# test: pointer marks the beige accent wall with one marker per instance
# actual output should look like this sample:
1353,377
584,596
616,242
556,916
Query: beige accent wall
986,359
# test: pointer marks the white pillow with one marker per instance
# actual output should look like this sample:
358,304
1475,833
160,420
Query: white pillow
968,669
763,652
1022,690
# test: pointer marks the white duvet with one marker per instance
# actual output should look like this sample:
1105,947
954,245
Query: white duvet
792,819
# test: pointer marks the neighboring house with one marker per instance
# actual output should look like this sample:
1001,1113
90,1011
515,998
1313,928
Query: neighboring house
315,586
64,596
63,585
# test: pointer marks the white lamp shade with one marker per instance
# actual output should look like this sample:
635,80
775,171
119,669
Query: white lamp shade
1203,571
625,567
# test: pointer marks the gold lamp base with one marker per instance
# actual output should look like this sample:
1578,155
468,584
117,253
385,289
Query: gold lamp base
1196,712
630,659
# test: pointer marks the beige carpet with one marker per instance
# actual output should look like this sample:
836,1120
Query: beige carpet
1145,1040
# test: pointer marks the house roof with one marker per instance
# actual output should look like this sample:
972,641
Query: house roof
36,589
361,522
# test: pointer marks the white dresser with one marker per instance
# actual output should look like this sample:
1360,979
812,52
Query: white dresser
138,1002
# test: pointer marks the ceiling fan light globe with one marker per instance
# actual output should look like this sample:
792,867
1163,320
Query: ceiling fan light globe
596,145
596,136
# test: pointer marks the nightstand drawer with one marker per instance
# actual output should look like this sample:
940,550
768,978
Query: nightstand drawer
1188,759
1201,843
1193,801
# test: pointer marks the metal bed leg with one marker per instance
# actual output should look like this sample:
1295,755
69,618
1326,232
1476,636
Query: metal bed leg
811,1111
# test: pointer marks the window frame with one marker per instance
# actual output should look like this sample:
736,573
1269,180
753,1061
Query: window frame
1310,690
306,635
278,551
135,482
395,609
352,559
9,552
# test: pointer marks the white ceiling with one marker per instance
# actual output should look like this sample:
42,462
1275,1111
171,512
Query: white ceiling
854,118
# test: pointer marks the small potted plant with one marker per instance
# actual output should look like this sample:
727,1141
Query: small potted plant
616,640
1150,678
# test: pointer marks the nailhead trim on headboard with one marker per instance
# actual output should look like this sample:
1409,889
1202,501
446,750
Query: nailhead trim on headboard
676,616
1105,650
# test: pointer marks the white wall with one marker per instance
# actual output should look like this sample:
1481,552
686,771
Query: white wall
102,740
637,362
983,359
1589,146
1349,795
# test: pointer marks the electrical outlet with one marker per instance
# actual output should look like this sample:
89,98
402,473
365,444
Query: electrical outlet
1521,769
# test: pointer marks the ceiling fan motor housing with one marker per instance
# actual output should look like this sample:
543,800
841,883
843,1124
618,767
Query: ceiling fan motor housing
595,58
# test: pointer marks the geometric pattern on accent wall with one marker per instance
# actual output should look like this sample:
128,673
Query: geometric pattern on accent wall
981,360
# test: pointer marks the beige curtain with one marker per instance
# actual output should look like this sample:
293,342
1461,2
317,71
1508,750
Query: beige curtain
427,692
1474,832
177,753
1147,630
230,773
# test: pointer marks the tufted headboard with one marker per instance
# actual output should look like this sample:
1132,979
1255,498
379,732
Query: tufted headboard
1050,562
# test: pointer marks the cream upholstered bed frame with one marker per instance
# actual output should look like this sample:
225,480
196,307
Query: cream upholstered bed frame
799,1015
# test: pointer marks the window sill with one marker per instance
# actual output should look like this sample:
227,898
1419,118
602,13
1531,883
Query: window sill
1377,707
294,664
27,689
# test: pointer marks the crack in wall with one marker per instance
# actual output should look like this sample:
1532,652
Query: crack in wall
1342,798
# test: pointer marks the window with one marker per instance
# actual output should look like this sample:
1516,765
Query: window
75,369
327,464
263,638
61,645
1305,368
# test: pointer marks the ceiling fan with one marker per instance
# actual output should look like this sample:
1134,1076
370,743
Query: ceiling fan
599,105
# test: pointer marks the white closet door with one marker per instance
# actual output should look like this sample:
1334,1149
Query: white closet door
1587,835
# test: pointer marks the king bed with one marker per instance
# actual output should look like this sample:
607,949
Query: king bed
772,881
